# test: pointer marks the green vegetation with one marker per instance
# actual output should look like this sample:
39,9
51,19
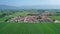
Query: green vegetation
20,14
26,28
29,28
55,17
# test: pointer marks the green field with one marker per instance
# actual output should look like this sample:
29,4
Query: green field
55,17
29,28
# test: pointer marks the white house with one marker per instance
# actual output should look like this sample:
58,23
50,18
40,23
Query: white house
56,21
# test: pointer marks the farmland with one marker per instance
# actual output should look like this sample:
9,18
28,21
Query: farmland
27,27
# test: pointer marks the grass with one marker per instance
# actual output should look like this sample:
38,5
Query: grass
55,17
20,14
29,28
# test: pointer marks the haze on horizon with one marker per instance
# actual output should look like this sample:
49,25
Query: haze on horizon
29,2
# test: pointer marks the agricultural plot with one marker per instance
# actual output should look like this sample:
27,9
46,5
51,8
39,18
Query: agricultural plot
28,27
55,17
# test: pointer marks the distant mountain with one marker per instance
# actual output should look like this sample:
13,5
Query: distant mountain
7,7
41,7
30,7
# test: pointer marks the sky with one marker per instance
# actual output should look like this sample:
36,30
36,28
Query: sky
29,2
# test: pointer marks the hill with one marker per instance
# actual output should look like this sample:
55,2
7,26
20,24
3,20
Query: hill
7,7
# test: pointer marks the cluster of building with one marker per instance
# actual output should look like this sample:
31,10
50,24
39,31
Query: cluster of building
30,19
34,17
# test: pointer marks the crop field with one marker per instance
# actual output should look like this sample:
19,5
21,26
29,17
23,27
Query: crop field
55,17
27,28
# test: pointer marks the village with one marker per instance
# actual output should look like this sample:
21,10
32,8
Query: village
34,17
